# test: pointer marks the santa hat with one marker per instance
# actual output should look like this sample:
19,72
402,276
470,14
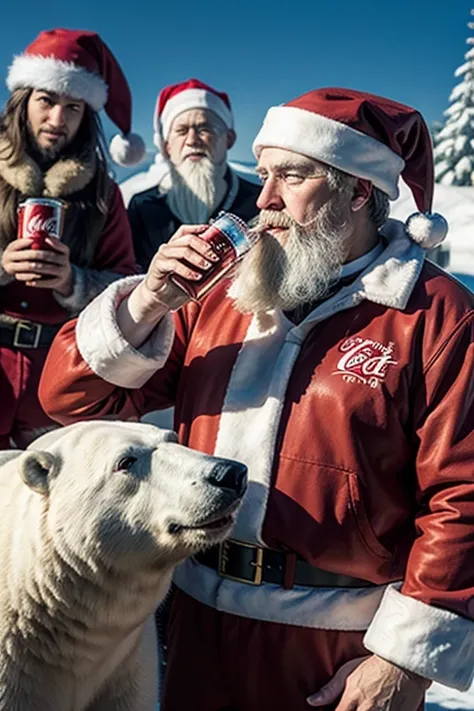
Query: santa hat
366,136
79,64
190,94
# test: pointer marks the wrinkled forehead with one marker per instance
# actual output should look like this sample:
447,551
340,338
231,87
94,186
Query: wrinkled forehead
197,117
273,160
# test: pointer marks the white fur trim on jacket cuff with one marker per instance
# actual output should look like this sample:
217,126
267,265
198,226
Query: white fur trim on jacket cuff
106,351
331,142
432,642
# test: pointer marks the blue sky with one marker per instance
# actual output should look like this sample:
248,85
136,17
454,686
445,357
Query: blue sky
262,55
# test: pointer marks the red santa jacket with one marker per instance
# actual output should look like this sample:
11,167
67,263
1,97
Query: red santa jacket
74,181
356,426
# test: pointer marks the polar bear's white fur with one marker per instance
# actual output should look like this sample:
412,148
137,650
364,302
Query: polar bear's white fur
93,519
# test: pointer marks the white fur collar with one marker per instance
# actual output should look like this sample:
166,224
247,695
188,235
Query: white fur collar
388,280
65,177
391,278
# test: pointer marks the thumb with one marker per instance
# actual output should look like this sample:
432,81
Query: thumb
331,691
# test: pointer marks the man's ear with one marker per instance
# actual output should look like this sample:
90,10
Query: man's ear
35,469
231,138
361,195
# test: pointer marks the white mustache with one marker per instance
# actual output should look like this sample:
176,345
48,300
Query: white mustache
273,218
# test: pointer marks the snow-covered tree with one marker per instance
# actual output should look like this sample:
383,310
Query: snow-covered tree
454,143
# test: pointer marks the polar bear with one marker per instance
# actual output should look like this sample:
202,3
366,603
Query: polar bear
93,519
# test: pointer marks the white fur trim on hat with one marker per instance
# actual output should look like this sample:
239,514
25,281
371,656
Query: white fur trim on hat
331,142
127,150
192,99
55,75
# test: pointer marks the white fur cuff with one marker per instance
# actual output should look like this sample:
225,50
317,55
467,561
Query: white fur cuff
435,643
104,348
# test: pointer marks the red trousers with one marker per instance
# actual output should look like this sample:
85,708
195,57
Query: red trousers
221,662
21,414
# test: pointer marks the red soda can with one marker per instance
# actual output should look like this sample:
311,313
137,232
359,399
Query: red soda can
230,238
39,218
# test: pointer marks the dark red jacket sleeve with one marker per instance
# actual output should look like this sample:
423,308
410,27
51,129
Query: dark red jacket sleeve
441,563
115,248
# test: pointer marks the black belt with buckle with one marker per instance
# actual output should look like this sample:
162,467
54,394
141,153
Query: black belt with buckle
26,334
250,564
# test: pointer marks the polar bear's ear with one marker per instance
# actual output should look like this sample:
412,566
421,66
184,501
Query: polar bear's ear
35,468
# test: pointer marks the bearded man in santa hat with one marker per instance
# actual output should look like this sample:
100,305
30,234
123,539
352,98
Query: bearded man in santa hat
339,369
194,130
52,146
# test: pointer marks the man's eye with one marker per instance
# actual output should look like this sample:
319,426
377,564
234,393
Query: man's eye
292,178
45,101
74,108
262,178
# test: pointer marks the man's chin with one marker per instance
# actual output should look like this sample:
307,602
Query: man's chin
50,151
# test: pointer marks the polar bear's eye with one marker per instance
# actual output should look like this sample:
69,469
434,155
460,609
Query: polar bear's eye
125,463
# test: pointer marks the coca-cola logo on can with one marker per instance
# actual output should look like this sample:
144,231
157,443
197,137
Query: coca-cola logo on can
39,223
40,217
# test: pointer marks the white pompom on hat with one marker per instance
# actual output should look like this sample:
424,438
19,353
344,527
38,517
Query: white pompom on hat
79,64
366,136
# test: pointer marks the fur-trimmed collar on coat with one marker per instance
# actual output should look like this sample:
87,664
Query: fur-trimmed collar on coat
65,177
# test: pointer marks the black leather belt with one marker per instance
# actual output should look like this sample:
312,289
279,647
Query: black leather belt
250,564
26,334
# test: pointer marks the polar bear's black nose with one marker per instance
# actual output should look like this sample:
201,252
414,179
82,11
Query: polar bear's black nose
229,475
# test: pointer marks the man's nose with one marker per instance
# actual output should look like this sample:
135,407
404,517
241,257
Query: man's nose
193,137
56,116
269,198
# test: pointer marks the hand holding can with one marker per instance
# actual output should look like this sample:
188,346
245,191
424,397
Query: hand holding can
230,239
40,218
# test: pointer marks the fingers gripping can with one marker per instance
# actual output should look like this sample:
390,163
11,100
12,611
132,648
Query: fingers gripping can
230,238
39,218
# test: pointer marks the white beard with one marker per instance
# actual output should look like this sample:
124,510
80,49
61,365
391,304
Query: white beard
194,190
286,277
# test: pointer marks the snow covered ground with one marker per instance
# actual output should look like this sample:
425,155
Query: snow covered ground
457,206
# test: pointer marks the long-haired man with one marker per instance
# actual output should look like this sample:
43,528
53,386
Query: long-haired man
52,145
